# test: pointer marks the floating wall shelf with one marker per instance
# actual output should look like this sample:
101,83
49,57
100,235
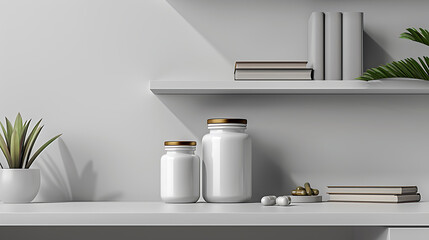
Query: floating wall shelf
202,214
291,87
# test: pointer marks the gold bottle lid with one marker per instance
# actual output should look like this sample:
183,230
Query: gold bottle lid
180,143
226,120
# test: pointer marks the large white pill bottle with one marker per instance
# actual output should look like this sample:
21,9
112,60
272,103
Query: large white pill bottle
227,161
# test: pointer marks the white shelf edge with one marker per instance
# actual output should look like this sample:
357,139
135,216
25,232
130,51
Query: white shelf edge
290,87
202,214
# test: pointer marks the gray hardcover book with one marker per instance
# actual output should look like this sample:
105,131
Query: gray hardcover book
316,45
352,45
374,198
333,45
273,74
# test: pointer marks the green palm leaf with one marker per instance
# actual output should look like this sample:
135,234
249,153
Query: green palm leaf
413,34
407,68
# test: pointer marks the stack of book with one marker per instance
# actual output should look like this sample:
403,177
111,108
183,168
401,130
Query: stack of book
382,194
271,71
335,45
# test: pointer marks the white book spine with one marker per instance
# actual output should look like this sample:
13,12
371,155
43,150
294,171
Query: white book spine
352,45
316,45
333,45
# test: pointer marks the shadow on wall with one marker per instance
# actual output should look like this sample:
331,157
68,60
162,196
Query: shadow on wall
268,177
245,30
256,30
71,186
373,54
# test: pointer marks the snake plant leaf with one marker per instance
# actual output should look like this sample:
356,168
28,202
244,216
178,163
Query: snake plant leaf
22,145
5,151
5,134
29,143
18,124
420,36
407,68
9,129
36,154
17,146
15,149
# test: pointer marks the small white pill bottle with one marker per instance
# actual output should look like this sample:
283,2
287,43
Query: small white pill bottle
180,172
227,161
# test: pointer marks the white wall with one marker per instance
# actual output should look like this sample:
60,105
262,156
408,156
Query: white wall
84,66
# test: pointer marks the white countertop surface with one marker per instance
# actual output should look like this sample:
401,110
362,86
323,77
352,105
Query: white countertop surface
203,214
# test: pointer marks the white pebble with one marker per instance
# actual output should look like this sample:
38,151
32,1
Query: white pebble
283,201
268,200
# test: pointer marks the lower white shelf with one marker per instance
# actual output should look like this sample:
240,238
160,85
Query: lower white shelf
203,214
391,86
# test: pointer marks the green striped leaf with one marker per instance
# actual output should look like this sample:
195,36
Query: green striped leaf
17,146
18,124
5,151
15,149
36,154
9,129
22,144
5,134
29,143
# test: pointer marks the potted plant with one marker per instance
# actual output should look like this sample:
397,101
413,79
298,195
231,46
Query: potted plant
19,183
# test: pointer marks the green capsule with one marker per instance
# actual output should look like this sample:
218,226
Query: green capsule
315,191
308,189
299,188
300,193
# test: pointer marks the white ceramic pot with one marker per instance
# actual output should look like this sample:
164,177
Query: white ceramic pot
19,185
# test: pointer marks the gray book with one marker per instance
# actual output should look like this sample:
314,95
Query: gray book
333,45
352,45
380,190
374,198
316,45
270,64
273,74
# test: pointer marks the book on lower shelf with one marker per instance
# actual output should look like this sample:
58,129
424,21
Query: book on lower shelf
272,71
372,189
382,198
382,194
